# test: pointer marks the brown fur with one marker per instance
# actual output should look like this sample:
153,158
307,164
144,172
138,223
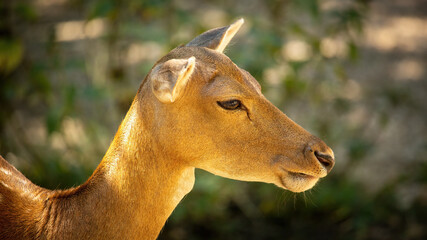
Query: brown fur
149,166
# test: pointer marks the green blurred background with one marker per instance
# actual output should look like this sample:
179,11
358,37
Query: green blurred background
352,72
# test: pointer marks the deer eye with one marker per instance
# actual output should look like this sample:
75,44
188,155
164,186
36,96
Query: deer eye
230,104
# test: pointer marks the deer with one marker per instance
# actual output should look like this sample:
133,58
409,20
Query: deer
194,109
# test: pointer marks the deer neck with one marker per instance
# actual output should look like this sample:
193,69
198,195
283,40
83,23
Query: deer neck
138,183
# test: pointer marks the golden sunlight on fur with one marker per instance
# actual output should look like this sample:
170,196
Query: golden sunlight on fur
195,109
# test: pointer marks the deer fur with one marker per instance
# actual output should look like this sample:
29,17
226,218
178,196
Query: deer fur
175,124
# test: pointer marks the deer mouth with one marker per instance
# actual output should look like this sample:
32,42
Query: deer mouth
300,175
297,181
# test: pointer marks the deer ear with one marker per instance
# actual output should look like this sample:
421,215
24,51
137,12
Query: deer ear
217,38
170,78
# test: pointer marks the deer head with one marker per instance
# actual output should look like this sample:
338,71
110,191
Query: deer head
208,113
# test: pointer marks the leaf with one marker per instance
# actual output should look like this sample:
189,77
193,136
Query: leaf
53,120
11,53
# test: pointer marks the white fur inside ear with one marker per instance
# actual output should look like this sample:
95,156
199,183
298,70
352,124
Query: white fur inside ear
183,77
169,79
231,31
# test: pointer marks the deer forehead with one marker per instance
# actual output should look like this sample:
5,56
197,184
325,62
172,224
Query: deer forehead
218,72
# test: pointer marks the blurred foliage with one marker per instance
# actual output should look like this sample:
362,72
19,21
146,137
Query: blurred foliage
69,70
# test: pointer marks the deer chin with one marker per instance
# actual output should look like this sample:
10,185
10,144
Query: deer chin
297,182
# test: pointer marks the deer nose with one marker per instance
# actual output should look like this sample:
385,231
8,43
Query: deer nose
325,159
322,153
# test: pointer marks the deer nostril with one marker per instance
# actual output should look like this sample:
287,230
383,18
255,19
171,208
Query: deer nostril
325,159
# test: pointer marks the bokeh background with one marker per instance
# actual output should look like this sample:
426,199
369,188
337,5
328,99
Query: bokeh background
352,72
